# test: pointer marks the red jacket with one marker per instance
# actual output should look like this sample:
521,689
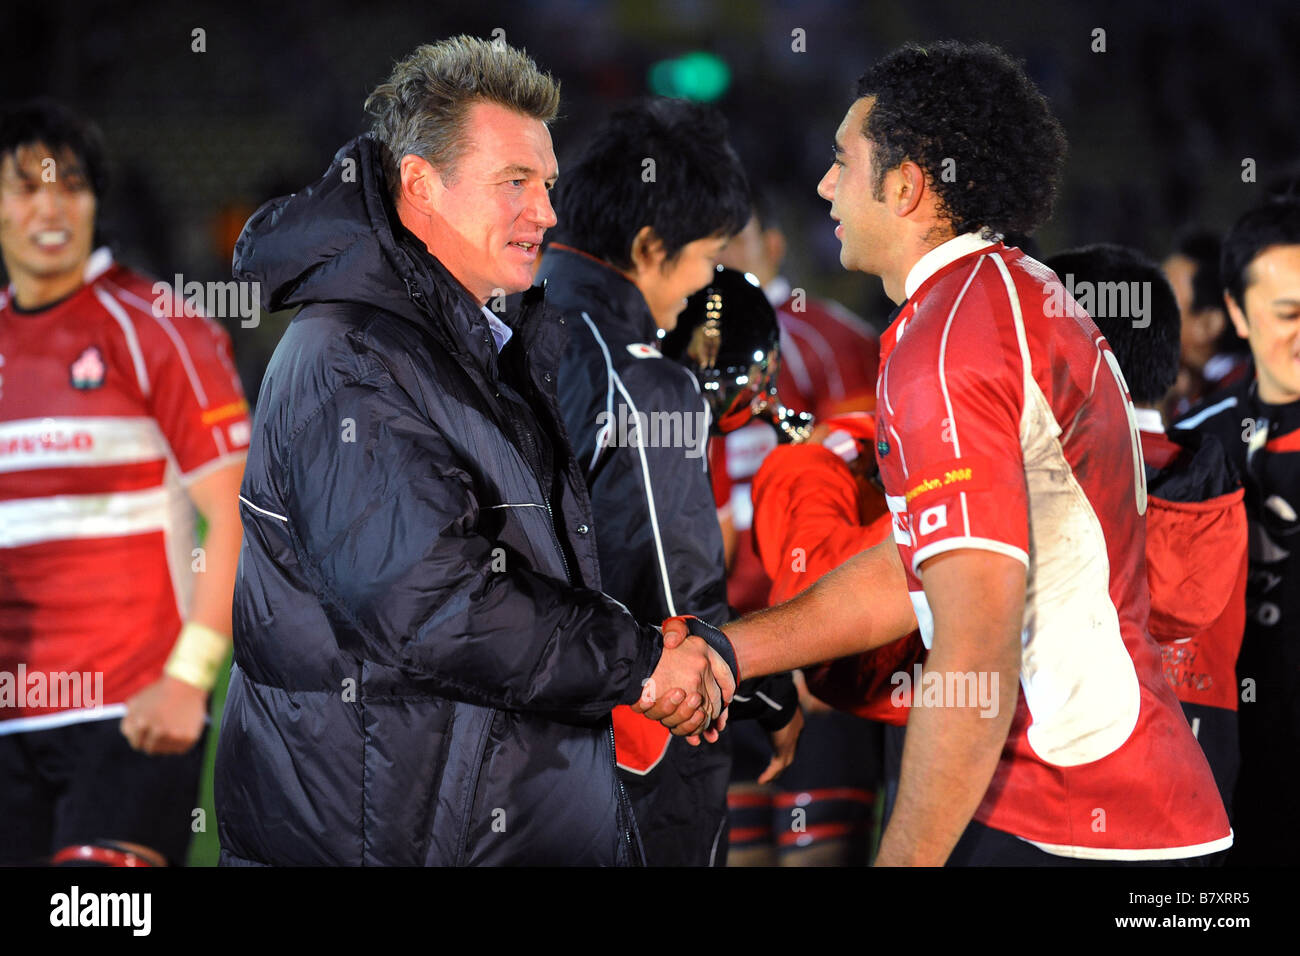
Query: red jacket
810,516
1196,568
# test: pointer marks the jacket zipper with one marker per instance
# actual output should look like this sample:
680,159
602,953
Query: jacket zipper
555,537
635,858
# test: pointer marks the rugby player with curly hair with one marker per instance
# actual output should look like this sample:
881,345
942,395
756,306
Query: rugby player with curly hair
1041,728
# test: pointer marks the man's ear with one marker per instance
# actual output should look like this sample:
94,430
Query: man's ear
422,185
1238,317
910,189
647,251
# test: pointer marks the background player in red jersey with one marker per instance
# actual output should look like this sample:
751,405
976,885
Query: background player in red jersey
117,420
828,367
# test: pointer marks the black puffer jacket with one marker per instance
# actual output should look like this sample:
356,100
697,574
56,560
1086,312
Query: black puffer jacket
424,665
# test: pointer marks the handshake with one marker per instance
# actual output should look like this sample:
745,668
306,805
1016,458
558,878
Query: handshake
692,686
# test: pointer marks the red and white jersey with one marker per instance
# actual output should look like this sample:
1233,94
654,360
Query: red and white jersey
1005,426
109,408
829,358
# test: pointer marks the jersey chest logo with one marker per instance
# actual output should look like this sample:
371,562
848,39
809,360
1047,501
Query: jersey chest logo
88,370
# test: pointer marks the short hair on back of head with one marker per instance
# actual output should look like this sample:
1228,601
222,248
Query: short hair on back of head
423,107
969,116
1275,222
698,188
1148,355
50,124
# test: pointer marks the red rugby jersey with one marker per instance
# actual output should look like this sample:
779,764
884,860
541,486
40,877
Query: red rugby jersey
829,358
109,408
1007,427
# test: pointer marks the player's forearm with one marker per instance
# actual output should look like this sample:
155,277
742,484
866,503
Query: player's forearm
949,757
860,605
214,577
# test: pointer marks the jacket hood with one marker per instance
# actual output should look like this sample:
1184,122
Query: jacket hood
332,241
339,240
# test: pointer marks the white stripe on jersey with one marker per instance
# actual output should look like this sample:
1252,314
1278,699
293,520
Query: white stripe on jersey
130,298
1158,853
924,617
119,315
1079,681
889,407
25,521
952,544
943,381
63,718
30,443
901,521
215,465
850,320
1026,366
1095,712
819,344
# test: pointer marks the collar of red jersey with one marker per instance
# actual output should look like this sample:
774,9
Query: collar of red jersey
1149,420
99,262
940,256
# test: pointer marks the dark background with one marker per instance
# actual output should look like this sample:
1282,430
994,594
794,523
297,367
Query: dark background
1158,124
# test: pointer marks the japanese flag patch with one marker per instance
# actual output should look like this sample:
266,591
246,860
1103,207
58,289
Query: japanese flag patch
641,350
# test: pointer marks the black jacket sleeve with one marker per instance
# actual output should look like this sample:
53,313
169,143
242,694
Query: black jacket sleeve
386,527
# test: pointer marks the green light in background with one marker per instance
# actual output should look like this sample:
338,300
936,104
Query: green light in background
696,76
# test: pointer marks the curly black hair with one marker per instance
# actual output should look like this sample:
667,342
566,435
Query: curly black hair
972,104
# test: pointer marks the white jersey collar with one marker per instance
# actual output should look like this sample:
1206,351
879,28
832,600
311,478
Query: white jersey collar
1149,420
940,256
99,262
777,291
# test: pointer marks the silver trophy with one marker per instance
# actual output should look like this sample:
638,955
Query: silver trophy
729,338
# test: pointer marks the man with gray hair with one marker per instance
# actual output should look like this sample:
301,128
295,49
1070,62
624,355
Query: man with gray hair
424,663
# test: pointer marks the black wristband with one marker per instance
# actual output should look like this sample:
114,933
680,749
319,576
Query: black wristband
717,640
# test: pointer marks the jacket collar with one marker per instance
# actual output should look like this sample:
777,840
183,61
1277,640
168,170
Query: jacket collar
576,281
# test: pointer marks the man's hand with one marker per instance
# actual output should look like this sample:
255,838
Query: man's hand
166,717
689,690
784,742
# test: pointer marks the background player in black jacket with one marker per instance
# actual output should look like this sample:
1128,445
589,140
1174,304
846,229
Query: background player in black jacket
643,215
1195,520
1258,422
